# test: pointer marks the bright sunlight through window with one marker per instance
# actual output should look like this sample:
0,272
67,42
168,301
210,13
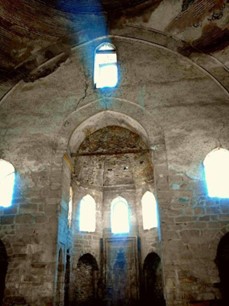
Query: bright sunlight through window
7,175
216,166
149,211
105,66
119,216
87,214
70,207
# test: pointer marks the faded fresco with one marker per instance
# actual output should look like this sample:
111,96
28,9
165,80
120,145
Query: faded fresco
121,271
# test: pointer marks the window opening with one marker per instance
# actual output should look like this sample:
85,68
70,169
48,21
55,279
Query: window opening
7,176
87,214
119,216
216,167
105,66
149,211
70,207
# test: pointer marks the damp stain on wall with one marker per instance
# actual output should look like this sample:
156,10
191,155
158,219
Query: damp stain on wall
212,39
193,13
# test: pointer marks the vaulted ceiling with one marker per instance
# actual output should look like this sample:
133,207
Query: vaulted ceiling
113,156
34,31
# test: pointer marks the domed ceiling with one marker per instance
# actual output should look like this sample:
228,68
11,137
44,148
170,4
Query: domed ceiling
34,31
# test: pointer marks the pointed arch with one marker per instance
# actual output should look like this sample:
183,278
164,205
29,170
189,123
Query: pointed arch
149,211
87,280
7,177
87,214
153,286
216,167
119,216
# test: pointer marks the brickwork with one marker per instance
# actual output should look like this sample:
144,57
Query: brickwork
26,228
179,113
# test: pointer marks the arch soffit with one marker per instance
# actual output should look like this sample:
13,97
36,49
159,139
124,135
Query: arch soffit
214,242
151,257
88,120
119,199
89,253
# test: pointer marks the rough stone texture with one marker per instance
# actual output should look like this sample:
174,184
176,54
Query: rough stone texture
35,32
177,104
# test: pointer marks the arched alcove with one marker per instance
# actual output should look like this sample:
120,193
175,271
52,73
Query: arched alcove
152,284
99,120
3,270
110,164
86,280
112,153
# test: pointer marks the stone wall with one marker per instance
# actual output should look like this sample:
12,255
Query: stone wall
29,227
170,101
84,243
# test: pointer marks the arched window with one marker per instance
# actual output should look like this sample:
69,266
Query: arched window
70,207
7,175
105,66
87,214
119,216
149,211
216,166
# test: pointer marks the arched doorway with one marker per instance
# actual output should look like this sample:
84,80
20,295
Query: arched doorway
152,281
86,280
3,270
